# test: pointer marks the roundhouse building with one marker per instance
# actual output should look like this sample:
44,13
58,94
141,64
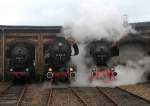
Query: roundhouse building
38,36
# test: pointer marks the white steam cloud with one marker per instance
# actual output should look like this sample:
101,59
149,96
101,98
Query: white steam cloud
133,72
130,72
82,70
101,20
97,20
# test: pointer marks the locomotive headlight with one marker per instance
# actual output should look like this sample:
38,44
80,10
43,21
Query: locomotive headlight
11,70
112,69
50,69
59,44
94,69
27,69
71,69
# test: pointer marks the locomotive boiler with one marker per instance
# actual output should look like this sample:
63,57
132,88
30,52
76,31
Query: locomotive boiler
58,57
101,51
21,62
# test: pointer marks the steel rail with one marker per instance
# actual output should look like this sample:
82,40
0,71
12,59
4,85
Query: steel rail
107,96
50,96
21,96
134,95
78,96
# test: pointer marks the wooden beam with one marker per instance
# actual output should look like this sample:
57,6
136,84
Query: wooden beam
3,49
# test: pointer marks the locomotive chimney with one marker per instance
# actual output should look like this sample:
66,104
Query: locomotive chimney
125,20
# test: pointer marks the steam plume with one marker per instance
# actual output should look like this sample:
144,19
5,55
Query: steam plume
97,21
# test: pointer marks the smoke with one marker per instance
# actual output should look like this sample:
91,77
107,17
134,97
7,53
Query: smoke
130,71
133,52
136,65
82,70
97,21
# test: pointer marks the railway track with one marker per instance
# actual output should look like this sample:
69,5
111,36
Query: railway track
90,97
140,97
12,95
93,97
107,96
79,97
50,96
63,97
124,98
35,95
140,91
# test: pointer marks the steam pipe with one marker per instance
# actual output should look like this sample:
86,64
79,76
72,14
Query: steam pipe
76,49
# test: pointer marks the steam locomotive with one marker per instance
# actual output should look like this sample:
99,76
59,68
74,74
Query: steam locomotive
57,56
101,51
21,62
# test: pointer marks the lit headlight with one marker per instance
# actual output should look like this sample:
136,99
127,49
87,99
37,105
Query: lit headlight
60,44
94,69
71,69
27,69
112,69
50,69
11,70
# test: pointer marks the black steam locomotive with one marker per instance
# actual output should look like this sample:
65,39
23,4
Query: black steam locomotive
21,62
57,56
101,51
